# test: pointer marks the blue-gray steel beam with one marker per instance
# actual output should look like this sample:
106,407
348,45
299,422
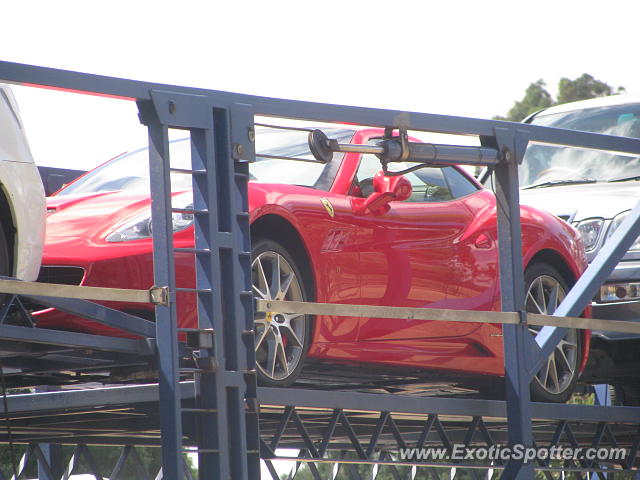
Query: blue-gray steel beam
224,438
195,113
227,437
301,398
164,274
129,89
445,406
76,340
211,428
240,146
512,295
100,313
587,286
86,398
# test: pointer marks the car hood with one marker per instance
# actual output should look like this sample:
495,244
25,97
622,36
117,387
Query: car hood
88,215
98,214
578,202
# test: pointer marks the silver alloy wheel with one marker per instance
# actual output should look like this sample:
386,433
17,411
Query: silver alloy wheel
280,337
543,296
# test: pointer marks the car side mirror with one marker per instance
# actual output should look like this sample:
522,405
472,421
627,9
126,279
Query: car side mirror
386,190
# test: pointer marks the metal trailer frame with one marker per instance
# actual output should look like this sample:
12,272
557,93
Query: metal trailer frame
225,398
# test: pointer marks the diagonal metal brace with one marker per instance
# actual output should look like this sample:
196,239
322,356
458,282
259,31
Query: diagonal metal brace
587,285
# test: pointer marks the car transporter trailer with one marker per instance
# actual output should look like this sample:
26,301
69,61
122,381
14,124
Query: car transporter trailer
212,405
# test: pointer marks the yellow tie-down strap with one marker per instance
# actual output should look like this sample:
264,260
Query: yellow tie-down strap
409,313
155,295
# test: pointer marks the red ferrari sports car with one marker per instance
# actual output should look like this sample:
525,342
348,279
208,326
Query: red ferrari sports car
335,232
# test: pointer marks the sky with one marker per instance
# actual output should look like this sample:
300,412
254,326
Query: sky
469,58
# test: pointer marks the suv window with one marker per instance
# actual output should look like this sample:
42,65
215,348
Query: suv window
546,163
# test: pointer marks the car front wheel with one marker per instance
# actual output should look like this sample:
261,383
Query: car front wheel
555,382
282,339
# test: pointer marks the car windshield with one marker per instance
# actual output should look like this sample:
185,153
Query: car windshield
547,165
130,172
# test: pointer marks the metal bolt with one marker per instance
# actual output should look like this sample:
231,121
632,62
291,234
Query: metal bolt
172,107
252,134
238,150
507,155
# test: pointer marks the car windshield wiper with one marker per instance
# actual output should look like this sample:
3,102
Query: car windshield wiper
624,179
553,183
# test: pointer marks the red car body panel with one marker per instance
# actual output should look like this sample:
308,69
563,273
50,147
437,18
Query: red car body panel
438,255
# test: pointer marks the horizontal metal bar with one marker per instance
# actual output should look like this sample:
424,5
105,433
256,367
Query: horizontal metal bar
436,314
393,150
282,157
125,395
284,127
367,402
579,139
353,148
18,287
325,400
398,404
368,311
452,154
75,340
273,107
187,171
583,323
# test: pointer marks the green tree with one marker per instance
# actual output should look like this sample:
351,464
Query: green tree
106,459
582,88
536,96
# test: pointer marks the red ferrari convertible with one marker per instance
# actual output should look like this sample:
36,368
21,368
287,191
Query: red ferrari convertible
335,232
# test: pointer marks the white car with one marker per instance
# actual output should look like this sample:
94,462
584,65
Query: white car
22,201
594,191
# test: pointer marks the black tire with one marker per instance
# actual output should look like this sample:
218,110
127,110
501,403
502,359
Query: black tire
627,395
279,336
5,264
556,381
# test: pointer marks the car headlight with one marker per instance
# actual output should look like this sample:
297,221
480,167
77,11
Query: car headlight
615,223
590,229
140,226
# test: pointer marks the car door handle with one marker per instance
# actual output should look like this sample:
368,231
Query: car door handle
483,241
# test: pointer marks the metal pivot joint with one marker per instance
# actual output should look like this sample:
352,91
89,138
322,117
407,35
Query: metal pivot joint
398,149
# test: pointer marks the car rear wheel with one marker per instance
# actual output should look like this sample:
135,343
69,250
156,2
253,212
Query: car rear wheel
556,380
282,340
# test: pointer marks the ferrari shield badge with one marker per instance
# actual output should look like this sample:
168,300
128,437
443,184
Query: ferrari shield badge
328,207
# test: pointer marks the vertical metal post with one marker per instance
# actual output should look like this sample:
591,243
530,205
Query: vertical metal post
516,337
222,146
602,397
211,432
164,274
230,436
